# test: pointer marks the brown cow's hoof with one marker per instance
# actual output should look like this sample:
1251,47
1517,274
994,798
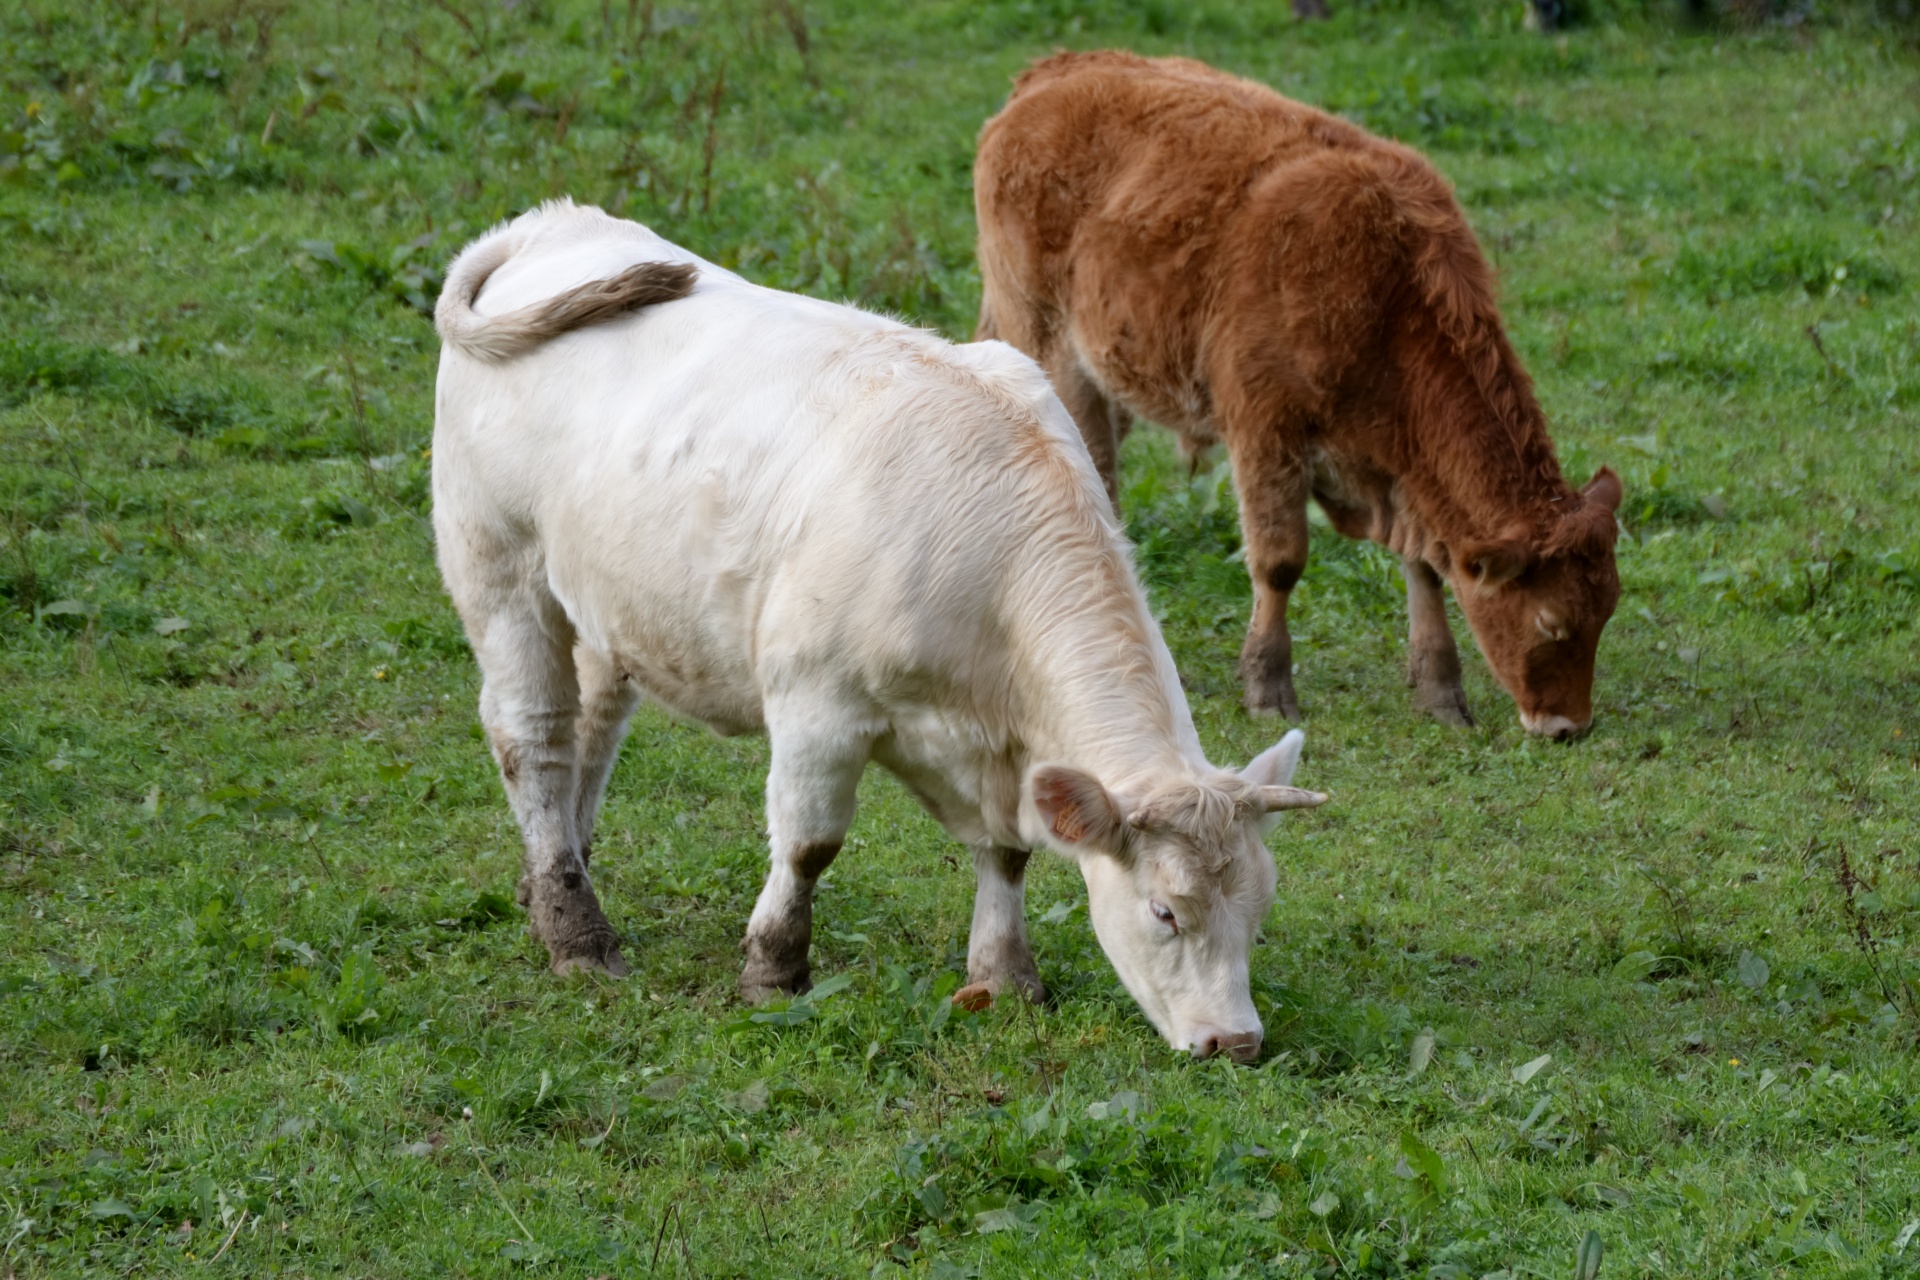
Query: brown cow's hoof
1266,673
1269,701
1448,706
974,997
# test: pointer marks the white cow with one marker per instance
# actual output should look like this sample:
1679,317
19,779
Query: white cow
652,478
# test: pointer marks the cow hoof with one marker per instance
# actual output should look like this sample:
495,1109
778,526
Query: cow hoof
590,947
1449,707
762,985
976,996
610,963
776,969
1279,703
564,914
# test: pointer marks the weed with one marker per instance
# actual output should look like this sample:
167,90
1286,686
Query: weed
1862,903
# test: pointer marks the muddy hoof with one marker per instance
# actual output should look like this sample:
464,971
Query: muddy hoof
976,996
1448,706
563,913
1268,701
757,990
1266,673
609,962
768,978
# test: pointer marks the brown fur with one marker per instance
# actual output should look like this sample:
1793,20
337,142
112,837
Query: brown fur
1169,241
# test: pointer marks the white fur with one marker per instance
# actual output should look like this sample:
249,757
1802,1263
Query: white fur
775,514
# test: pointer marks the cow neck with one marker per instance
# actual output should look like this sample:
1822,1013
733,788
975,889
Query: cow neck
1098,688
1480,460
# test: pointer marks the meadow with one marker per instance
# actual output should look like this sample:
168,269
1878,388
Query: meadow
1646,1004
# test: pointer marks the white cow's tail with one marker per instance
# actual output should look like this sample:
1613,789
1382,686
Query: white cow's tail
495,338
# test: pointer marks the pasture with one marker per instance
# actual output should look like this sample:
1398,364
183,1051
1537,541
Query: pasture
1646,1004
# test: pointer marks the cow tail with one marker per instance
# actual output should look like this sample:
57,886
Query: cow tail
497,338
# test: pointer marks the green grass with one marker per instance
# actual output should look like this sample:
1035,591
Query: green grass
262,988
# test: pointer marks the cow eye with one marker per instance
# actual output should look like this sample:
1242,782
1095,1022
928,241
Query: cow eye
1164,914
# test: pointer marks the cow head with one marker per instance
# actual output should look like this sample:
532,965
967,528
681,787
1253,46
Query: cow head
1537,606
1178,882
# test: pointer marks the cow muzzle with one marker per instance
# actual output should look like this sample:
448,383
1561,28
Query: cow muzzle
1559,728
1242,1046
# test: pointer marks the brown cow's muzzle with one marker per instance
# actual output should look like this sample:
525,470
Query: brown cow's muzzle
1559,728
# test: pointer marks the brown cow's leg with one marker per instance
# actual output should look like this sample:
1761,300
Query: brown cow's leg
607,702
819,753
985,328
998,957
1272,486
1103,424
1433,662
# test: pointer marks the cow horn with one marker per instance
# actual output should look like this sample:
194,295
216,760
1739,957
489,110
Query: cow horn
1274,799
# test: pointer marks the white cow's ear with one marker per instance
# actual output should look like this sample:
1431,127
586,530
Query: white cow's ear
1274,767
1078,811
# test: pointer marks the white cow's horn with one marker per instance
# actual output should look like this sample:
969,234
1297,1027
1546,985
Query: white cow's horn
1273,799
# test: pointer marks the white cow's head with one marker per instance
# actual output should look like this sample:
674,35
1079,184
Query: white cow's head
1178,881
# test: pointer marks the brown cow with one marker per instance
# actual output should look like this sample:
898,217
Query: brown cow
1170,241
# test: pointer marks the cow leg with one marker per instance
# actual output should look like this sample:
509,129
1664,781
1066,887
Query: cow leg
529,702
1103,424
998,957
607,701
818,758
1272,486
1433,661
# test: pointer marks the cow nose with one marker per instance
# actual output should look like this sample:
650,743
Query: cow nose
1559,728
1241,1046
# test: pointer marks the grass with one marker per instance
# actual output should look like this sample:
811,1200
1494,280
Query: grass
266,1007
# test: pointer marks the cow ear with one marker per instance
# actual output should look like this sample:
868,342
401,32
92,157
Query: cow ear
1493,564
1274,767
1605,488
1078,812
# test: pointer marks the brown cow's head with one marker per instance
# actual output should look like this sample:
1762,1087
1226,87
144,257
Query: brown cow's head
1537,607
